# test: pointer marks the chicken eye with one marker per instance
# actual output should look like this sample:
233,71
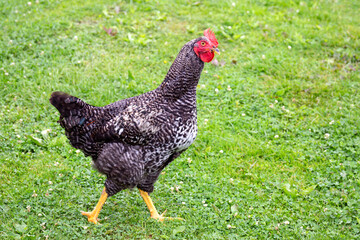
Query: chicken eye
203,43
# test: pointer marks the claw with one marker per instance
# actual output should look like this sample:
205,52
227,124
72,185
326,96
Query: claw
153,212
91,217
163,213
161,217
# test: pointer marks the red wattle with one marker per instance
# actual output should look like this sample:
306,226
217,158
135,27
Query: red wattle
207,56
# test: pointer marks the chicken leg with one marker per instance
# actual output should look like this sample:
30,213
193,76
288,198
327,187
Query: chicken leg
153,212
92,216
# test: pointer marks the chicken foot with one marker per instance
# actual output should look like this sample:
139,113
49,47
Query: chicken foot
153,212
92,216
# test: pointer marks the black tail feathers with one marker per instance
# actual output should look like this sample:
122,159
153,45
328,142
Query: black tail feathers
74,112
66,104
78,119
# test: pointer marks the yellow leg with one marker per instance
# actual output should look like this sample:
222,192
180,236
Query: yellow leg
153,212
92,216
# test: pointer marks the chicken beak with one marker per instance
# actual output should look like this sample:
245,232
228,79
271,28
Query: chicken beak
216,50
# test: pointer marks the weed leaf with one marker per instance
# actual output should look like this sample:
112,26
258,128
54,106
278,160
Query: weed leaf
178,230
308,190
35,140
234,209
289,191
20,228
130,76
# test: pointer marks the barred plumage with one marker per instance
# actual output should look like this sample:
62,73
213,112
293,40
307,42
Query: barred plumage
132,140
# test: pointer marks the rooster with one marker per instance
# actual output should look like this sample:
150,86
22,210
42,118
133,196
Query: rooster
132,140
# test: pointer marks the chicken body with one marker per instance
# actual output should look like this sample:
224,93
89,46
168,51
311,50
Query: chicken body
131,141
155,132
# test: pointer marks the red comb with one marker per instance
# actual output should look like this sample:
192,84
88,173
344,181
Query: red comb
211,36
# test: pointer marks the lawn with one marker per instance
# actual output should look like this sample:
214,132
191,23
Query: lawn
277,154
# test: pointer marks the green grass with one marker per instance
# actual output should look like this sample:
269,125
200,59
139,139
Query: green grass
276,157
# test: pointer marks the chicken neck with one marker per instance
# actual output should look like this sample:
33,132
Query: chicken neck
183,76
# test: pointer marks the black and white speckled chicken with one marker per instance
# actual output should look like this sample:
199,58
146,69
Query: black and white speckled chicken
132,140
